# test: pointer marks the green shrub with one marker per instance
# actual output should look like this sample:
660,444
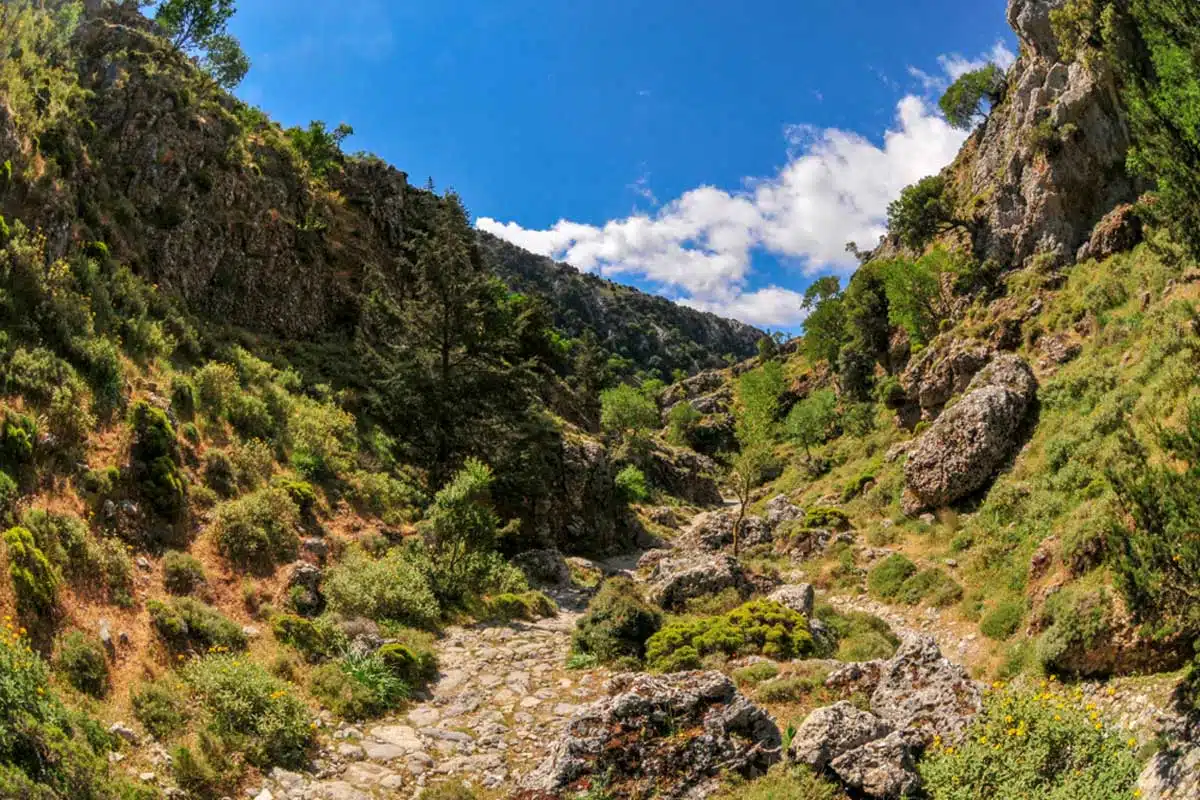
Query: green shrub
82,659
154,459
682,420
760,627
114,569
530,605
250,416
453,790
624,411
631,485
183,397
412,663
757,672
829,518
323,439
860,636
302,494
380,495
18,436
1003,620
215,385
259,530
931,584
206,770
1045,745
885,580
317,639
9,492
252,711
65,540
159,707
46,751
35,581
182,573
390,588
1075,620
358,687
789,689
783,782
188,625
253,462
99,484
219,473
617,624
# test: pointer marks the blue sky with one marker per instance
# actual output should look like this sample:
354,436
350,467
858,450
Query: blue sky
718,153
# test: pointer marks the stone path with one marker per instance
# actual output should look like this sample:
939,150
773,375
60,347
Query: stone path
498,705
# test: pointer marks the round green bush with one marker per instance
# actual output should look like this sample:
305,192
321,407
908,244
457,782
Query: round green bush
159,707
182,573
257,531
631,485
1002,621
188,625
760,627
82,660
886,578
390,588
617,624
35,581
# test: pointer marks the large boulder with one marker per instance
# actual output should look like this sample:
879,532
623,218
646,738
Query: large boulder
914,696
780,510
830,732
713,531
544,567
584,514
798,597
670,736
964,448
676,579
1172,774
941,372
684,474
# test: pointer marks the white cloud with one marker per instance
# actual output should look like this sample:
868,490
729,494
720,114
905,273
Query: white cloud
834,189
955,65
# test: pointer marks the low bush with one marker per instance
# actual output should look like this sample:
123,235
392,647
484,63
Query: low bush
530,605
215,384
783,782
859,636
789,689
182,573
1046,745
380,495
302,494
187,625
617,624
219,473
46,751
252,711
358,687
34,579
757,673
760,627
317,639
9,492
933,585
257,531
631,485
82,660
207,768
18,436
1003,620
390,588
64,539
412,662
885,580
824,517
159,706
154,461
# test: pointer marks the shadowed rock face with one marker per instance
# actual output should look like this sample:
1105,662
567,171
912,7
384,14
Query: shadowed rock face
669,736
963,449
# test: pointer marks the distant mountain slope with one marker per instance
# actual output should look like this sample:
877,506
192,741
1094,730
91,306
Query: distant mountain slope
651,331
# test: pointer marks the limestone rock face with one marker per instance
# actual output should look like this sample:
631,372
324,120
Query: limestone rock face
544,567
915,695
963,449
1049,162
584,514
713,531
676,579
939,373
685,474
673,736
798,597
831,732
1172,774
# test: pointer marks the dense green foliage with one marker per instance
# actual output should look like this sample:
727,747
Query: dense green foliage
617,624
82,659
389,588
320,147
34,579
811,422
964,102
760,627
155,461
921,212
359,686
251,710
1047,744
187,625
182,573
201,27
259,530
625,411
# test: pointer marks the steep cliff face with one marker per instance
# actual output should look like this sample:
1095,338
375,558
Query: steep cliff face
1049,163
206,197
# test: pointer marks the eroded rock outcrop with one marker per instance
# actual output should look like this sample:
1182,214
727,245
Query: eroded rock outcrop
713,530
967,444
670,736
685,474
915,695
676,579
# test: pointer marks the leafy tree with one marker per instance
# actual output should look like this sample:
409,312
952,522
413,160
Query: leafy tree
918,296
200,27
750,465
768,348
758,394
811,421
460,524
965,100
922,212
320,147
865,303
825,325
625,411
681,421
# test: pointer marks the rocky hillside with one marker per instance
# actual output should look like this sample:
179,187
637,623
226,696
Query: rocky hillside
300,500
650,331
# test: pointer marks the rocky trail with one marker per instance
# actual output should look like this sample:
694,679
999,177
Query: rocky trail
497,706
